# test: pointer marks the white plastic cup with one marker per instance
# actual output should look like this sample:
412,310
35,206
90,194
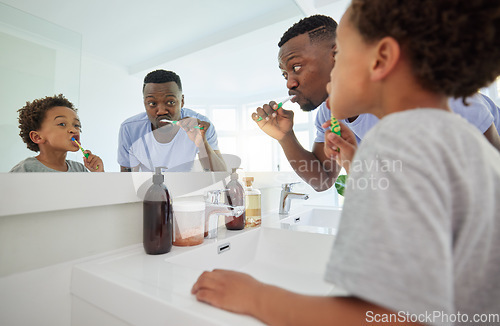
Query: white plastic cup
189,223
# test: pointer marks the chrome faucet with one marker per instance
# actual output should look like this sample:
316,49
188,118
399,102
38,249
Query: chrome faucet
215,205
286,197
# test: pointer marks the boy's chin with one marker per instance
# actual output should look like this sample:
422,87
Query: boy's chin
74,150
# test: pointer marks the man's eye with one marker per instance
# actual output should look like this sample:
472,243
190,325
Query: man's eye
296,68
171,103
151,104
285,75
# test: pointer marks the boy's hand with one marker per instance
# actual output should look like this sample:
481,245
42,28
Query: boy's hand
93,162
346,145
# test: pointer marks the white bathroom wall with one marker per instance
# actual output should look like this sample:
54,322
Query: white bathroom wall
108,95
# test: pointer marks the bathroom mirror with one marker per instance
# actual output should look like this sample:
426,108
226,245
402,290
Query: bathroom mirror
38,58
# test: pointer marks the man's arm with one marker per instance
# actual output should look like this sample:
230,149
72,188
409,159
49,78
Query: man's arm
493,137
314,167
211,160
126,169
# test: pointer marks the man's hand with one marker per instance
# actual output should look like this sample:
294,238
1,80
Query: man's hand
274,123
195,129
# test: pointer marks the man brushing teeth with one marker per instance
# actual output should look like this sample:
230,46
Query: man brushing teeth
151,139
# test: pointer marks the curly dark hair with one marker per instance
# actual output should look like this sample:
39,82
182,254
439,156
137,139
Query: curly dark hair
162,76
453,45
319,27
31,116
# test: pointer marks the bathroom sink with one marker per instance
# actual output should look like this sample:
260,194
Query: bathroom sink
293,260
141,289
316,220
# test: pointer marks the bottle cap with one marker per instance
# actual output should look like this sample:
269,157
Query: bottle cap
158,177
248,181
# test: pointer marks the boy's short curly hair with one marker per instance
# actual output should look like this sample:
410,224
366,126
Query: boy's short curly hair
31,116
453,45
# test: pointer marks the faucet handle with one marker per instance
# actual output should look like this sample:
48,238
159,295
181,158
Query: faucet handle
288,186
214,196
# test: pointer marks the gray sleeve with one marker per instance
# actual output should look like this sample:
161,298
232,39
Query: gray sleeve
390,251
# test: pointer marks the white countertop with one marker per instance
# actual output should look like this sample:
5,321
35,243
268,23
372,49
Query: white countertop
143,289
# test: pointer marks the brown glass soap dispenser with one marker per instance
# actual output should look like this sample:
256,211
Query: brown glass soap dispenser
236,199
157,217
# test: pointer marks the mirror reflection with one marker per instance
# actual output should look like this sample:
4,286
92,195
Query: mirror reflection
227,61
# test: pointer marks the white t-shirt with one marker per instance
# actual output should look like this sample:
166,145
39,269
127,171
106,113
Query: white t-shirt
480,111
420,228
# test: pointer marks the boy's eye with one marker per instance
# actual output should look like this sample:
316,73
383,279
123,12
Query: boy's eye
171,103
62,124
285,75
78,126
296,68
152,104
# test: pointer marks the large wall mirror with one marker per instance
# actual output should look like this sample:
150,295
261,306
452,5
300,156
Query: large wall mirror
38,58
224,51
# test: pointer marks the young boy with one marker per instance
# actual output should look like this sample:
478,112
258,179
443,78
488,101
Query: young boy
420,239
47,126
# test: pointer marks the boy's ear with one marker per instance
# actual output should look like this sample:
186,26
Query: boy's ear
36,137
387,55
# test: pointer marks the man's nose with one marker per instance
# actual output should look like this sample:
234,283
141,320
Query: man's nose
291,83
162,109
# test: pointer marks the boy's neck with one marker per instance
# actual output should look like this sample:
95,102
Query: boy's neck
53,160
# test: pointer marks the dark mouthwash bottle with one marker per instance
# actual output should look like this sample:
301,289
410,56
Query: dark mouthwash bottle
157,217
236,199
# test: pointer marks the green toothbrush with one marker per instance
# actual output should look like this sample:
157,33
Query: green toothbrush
280,104
83,151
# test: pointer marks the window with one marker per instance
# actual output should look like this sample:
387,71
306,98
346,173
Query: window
238,134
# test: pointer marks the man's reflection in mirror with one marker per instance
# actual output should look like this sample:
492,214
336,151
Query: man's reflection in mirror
167,134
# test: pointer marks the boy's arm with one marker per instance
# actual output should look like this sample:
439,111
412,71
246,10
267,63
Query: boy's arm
241,293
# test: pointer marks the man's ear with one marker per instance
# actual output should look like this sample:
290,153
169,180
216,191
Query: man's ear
36,137
387,55
332,53
182,101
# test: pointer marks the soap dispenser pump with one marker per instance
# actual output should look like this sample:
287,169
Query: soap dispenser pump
157,217
236,199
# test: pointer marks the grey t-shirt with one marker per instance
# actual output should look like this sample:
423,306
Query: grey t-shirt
420,229
31,164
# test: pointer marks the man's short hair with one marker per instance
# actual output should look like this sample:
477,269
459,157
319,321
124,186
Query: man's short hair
162,76
319,28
